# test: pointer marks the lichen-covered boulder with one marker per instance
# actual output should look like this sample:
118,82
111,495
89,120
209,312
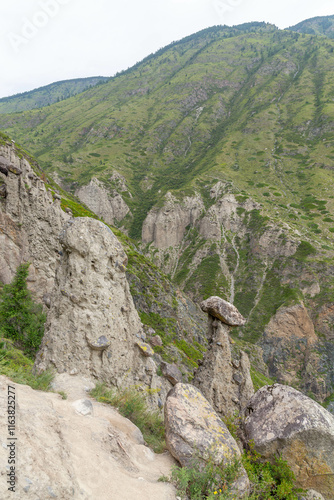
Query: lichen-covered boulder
224,311
193,429
282,420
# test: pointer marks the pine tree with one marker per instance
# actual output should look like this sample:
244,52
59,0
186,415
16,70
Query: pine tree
21,319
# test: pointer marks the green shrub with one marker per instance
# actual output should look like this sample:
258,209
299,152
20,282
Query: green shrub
132,404
21,319
205,480
19,368
269,480
304,250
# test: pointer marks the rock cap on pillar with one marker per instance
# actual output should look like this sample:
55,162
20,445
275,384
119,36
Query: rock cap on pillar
223,310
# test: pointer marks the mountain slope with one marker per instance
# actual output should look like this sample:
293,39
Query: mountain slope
217,153
321,25
44,96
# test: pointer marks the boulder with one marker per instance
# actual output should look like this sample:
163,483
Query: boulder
225,383
171,372
14,169
194,429
145,349
156,341
283,421
224,311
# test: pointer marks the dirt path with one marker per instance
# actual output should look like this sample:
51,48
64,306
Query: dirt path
77,448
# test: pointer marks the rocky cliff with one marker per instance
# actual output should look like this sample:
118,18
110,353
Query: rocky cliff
93,327
107,204
227,246
30,222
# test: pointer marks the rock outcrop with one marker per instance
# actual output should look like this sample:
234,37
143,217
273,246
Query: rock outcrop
226,383
166,227
289,348
108,205
67,453
282,421
30,223
194,430
93,326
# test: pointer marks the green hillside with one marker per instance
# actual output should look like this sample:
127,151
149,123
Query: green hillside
220,104
249,109
44,96
322,25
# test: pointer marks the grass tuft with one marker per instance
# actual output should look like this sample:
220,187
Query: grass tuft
132,405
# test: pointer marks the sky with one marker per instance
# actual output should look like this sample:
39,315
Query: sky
44,41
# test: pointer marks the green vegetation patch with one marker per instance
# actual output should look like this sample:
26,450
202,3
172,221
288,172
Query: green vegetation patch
132,404
21,319
19,367
304,250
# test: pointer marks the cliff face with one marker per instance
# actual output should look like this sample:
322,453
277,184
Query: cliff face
30,223
93,327
230,248
78,269
108,205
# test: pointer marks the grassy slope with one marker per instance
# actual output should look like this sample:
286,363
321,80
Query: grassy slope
253,109
44,96
147,123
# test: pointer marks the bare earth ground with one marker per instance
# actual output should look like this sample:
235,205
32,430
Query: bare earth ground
63,453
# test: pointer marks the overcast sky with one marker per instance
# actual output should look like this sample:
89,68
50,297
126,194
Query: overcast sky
43,41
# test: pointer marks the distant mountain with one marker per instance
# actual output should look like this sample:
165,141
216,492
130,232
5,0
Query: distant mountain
44,96
322,25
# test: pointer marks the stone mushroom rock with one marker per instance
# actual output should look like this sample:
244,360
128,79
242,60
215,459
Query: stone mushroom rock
91,334
171,372
227,385
282,421
193,429
222,310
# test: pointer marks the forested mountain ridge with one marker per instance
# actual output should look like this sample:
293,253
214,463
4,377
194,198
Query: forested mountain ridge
321,25
49,94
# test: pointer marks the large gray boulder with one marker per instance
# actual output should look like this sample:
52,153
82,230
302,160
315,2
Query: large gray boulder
193,429
283,421
224,311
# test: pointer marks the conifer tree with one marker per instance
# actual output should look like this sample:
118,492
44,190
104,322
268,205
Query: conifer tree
21,319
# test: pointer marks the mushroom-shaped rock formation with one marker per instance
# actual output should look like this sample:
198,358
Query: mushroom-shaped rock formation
95,334
222,310
282,421
194,430
227,386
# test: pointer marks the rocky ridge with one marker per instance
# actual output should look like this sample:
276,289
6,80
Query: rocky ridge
92,326
30,222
